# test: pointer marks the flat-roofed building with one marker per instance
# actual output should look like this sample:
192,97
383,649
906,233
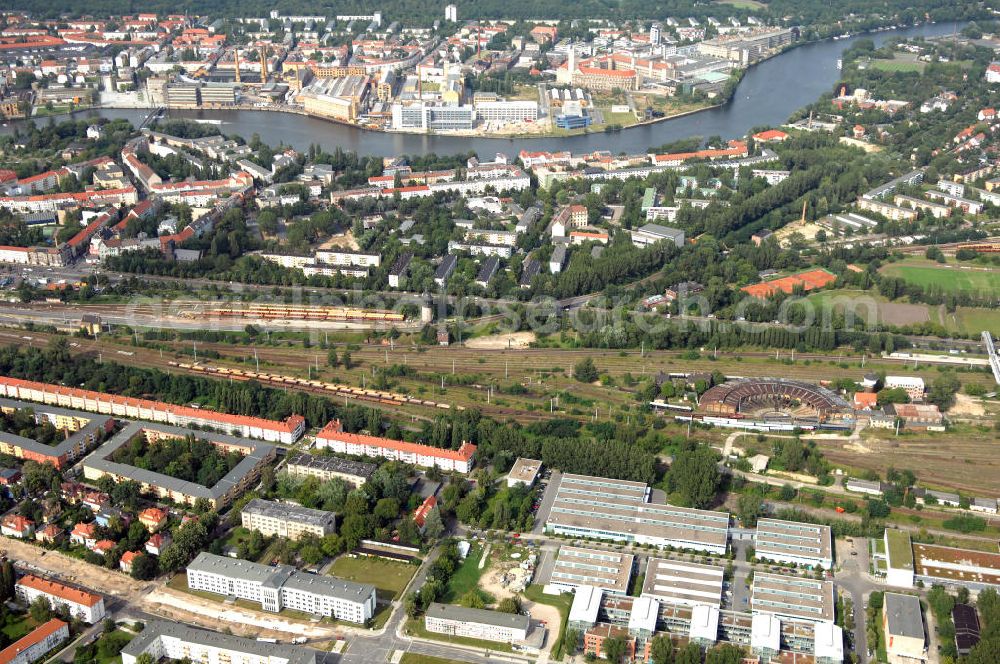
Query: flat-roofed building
679,582
967,628
792,542
792,597
975,570
476,623
704,627
912,385
524,471
903,625
765,636
618,510
828,643
899,568
287,520
586,607
176,642
329,467
577,566
280,587
81,604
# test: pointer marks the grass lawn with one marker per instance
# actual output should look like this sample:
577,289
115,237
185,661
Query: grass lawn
467,576
416,628
414,658
896,65
112,644
975,319
388,576
562,602
17,625
949,279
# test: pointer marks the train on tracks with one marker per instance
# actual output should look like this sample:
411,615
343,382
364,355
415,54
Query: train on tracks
294,312
331,389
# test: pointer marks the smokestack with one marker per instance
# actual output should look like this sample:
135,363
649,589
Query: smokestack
238,65
263,64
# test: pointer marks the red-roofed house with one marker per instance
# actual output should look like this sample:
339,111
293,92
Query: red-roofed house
420,516
50,534
157,543
865,400
770,136
543,33
125,564
84,534
153,518
103,547
17,526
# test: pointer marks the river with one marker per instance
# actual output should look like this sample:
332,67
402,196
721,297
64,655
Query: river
768,94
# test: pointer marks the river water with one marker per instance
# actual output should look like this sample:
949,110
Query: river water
768,94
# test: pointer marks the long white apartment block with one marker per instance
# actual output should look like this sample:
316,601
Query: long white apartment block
282,587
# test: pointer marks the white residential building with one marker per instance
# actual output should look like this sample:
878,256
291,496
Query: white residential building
86,606
476,623
177,642
281,587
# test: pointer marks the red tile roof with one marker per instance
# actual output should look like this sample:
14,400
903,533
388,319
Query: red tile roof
334,431
59,590
289,425
37,635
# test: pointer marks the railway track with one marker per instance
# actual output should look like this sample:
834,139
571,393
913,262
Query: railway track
330,389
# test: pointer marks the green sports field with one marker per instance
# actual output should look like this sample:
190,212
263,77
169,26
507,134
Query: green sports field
949,279
898,66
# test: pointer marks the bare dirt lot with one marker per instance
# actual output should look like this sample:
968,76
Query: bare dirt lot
963,460
898,313
514,340
345,241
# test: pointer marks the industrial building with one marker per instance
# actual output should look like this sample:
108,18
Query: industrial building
652,233
620,510
794,543
577,566
792,597
326,468
287,520
282,587
679,582
341,98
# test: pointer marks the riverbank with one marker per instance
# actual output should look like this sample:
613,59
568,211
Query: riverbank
768,95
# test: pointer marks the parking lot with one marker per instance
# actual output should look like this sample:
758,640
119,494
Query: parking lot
548,484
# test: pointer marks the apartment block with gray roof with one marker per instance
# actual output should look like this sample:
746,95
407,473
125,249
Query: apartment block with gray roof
281,587
287,520
174,641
